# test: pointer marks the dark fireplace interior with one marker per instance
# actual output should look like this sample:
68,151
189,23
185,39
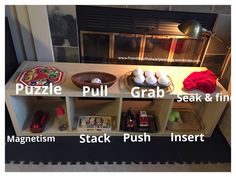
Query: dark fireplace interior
134,36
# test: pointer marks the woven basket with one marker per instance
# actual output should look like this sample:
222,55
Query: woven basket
84,79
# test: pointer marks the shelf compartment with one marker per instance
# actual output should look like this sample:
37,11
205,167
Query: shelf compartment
190,122
191,119
20,106
93,107
138,104
150,129
26,106
159,108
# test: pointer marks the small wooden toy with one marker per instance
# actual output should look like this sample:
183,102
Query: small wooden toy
94,123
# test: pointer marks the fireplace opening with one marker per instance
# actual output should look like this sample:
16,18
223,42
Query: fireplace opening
144,37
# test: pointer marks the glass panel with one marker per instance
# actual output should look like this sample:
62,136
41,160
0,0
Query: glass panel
62,22
215,55
187,52
217,46
157,50
227,75
66,54
96,48
214,63
127,47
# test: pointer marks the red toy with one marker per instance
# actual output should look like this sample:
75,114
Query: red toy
204,81
143,119
39,121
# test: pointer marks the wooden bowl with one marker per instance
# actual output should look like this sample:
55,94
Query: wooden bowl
84,79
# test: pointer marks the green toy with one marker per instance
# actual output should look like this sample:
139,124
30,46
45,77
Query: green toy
175,117
172,117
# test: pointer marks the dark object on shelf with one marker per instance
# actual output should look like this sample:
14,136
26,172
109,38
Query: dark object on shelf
39,121
129,83
190,122
126,116
131,120
128,121
84,79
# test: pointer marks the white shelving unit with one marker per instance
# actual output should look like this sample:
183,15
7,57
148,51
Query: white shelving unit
22,107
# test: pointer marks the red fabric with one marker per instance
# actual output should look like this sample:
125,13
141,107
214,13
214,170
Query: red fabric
204,81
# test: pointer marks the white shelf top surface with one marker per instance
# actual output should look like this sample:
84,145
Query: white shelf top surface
177,73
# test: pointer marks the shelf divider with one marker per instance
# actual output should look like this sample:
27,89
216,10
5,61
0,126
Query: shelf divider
163,108
119,103
211,114
71,111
